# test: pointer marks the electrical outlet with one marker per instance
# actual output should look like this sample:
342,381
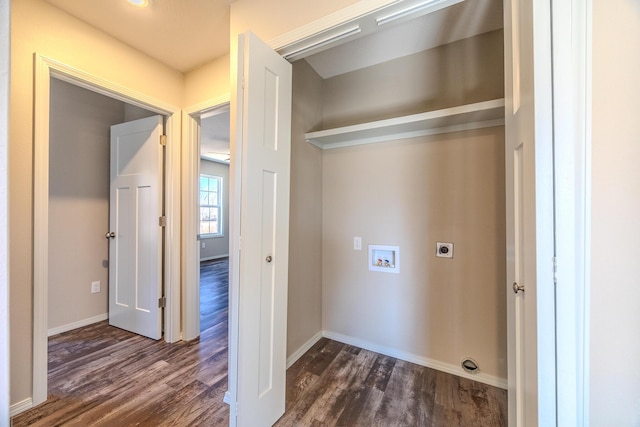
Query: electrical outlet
203,245
444,250
357,243
95,287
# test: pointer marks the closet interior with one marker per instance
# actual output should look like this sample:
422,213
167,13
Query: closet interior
398,139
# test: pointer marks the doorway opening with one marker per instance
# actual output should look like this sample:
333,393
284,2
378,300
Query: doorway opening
471,76
79,203
213,234
46,71
206,200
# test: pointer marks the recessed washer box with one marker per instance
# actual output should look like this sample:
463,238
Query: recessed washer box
384,258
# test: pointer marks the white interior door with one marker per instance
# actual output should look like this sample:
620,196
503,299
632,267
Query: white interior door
135,206
529,186
265,134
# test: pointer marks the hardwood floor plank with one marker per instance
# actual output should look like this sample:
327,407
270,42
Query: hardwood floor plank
381,372
179,405
343,392
420,402
314,399
355,393
396,395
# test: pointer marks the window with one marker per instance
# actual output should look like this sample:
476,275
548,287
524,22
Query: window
210,205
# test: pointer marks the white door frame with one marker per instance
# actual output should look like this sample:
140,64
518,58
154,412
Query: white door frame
571,38
530,239
45,68
190,204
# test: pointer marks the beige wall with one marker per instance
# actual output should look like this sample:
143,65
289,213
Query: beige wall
78,201
216,247
615,204
207,82
269,19
37,26
463,72
304,318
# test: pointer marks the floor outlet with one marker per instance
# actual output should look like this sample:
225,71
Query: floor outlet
95,287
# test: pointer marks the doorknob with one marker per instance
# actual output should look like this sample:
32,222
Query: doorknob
268,259
109,235
517,288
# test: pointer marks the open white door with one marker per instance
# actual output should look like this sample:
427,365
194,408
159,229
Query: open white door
264,133
530,226
135,206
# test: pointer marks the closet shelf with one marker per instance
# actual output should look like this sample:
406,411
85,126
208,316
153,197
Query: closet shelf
464,117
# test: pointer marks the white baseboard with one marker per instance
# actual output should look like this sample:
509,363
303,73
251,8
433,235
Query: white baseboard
303,349
20,407
78,324
419,360
211,258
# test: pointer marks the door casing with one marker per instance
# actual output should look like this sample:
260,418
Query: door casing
45,69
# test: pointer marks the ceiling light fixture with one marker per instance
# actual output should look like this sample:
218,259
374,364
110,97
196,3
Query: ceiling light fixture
139,3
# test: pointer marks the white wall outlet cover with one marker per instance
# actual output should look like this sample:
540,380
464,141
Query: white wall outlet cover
444,250
357,243
95,287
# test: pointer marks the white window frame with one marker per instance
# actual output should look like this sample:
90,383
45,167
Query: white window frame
220,207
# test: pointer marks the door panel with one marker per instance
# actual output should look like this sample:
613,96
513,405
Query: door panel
135,250
267,285
265,136
530,225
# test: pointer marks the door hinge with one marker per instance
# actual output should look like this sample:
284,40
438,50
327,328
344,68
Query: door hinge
555,270
162,302
163,140
162,221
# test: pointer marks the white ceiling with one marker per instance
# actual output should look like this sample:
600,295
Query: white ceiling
214,135
457,22
182,34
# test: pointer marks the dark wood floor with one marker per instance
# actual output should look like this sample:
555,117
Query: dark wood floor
104,376
335,384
